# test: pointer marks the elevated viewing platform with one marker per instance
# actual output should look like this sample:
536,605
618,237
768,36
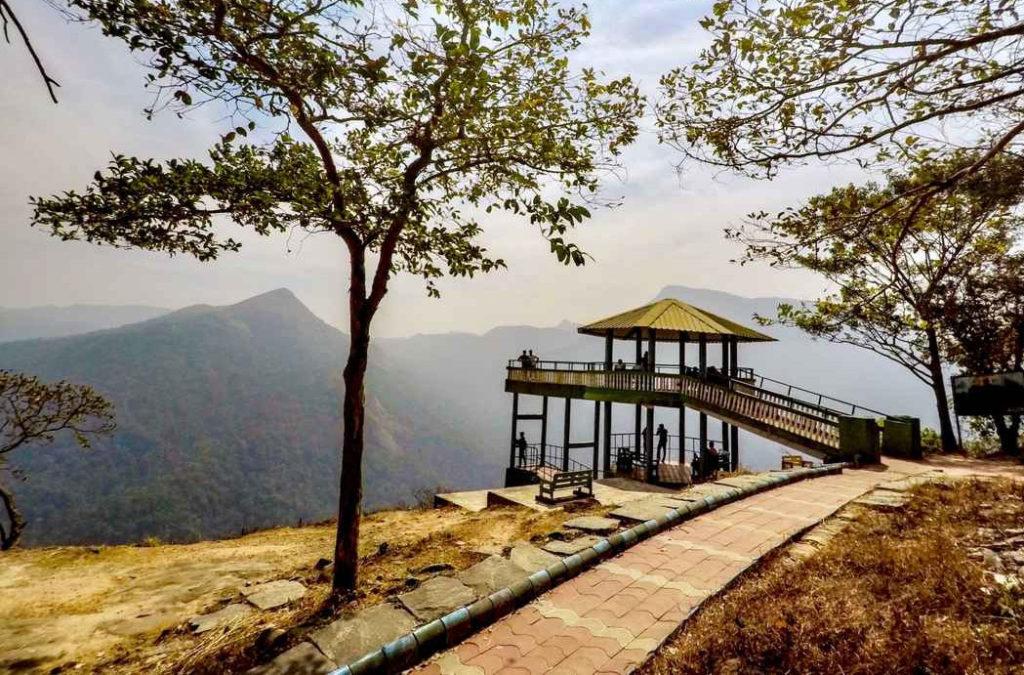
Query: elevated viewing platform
824,427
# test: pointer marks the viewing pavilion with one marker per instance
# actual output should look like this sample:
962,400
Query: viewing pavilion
738,398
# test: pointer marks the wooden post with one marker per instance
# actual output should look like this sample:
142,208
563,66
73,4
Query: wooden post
565,443
544,430
608,354
515,424
597,436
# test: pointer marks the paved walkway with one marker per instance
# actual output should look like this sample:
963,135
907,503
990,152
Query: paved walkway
612,617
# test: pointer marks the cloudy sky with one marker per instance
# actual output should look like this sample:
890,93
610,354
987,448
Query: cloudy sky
668,230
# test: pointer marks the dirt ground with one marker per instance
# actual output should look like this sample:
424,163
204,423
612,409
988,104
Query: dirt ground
123,608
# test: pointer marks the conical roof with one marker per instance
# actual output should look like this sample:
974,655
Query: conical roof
671,319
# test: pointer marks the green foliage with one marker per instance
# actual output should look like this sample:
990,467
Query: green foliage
412,119
895,279
789,80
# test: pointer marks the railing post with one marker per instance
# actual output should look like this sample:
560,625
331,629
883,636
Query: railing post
543,429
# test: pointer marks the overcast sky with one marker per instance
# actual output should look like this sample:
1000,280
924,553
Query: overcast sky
668,230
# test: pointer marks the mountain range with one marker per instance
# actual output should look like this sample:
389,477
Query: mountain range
228,416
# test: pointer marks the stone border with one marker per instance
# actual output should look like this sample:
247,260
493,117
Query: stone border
426,640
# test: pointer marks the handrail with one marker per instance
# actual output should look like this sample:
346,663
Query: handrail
736,396
790,388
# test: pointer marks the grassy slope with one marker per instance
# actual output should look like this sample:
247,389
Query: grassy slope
892,593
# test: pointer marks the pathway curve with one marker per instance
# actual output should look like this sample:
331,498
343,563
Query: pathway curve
612,617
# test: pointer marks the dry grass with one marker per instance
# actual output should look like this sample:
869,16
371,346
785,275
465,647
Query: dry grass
395,546
893,593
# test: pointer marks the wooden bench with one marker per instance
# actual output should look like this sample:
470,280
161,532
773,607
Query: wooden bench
580,482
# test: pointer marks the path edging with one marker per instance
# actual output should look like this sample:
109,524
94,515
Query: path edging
426,640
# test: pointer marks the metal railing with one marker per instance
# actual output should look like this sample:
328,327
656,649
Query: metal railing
820,400
620,366
737,396
550,456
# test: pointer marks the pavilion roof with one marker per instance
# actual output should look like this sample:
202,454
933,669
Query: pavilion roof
671,319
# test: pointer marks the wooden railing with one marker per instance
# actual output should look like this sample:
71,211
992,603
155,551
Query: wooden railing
732,396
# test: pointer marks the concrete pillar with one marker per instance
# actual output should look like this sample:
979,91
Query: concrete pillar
702,355
639,353
652,342
726,436
608,357
682,405
597,438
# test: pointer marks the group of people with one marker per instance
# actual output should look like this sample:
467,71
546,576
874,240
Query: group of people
528,361
643,365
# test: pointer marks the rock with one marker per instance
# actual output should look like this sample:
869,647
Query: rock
593,524
274,594
570,547
436,568
990,559
222,617
270,636
302,659
640,511
1014,558
322,563
350,637
529,558
437,597
489,575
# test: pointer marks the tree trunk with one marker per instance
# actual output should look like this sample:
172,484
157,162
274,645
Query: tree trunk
949,443
17,521
350,497
1009,434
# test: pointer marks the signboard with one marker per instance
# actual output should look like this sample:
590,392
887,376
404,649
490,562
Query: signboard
996,394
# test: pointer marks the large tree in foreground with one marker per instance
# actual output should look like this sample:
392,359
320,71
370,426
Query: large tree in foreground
787,81
403,125
896,279
33,412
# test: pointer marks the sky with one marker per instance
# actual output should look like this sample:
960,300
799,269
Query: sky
668,230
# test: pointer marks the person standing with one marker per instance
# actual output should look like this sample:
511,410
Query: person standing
662,443
521,444
711,461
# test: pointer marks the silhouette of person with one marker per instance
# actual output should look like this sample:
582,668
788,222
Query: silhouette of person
711,460
524,360
662,443
522,445
534,359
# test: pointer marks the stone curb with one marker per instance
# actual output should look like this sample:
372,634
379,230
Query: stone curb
439,634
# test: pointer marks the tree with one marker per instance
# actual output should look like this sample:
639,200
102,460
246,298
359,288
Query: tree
33,412
895,279
984,323
785,81
9,18
413,121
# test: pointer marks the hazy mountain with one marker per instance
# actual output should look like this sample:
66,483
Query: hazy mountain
228,420
50,321
229,415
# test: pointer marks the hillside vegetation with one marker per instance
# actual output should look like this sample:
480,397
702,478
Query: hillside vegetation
228,421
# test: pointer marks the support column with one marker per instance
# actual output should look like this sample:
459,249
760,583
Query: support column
565,443
544,429
702,355
597,437
726,436
682,403
515,426
608,349
735,431
637,443
652,343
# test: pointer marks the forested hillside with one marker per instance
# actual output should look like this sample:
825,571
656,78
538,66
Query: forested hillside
228,421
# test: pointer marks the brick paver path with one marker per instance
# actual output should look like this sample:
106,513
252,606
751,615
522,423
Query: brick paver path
612,617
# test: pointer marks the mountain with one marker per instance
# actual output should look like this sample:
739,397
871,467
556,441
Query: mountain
47,322
228,420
